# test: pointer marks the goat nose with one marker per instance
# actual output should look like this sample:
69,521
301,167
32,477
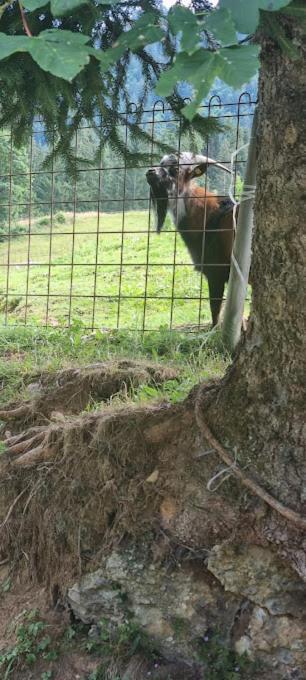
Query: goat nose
150,172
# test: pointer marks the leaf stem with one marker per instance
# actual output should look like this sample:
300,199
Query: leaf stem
24,20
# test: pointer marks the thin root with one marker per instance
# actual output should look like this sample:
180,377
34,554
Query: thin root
11,508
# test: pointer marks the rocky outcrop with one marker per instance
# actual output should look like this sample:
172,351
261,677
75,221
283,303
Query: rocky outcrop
243,595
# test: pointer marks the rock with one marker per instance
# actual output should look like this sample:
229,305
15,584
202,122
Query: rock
253,602
94,598
174,606
276,630
258,574
279,637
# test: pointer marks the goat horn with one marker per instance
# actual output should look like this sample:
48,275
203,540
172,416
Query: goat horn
211,161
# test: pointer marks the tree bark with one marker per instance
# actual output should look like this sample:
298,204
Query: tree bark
258,410
129,490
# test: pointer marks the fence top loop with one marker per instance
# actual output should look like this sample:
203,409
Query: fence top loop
161,103
132,107
210,103
245,94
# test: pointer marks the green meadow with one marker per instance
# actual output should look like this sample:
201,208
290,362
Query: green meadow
107,271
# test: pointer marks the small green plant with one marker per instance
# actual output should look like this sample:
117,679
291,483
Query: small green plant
31,644
6,585
222,662
172,390
2,447
100,674
180,626
239,186
94,675
70,633
15,230
9,305
44,222
118,645
60,218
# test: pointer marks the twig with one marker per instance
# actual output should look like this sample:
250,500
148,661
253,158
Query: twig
3,562
289,514
79,550
11,508
225,474
203,453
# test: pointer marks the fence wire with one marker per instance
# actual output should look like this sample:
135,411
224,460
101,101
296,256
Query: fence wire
85,249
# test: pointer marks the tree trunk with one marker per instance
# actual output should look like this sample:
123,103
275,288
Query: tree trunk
126,490
258,410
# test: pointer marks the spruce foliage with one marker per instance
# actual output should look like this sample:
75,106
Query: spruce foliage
97,95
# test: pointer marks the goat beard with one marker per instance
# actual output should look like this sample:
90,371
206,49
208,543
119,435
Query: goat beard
159,198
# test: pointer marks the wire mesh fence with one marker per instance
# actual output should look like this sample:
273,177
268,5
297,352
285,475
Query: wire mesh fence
84,248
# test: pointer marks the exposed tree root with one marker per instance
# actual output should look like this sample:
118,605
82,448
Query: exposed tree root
96,478
251,484
35,455
13,413
11,441
71,391
26,448
26,445
33,446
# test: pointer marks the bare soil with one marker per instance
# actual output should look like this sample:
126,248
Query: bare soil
73,390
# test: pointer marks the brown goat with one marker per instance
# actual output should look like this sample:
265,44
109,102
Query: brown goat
204,220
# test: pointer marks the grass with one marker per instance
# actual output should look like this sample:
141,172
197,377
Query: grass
123,260
122,250
25,351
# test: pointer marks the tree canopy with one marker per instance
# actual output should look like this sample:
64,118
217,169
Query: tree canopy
66,61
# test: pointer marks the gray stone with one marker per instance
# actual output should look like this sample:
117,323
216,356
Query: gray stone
258,574
94,598
175,606
259,606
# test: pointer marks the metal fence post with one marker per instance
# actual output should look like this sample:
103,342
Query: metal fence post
241,259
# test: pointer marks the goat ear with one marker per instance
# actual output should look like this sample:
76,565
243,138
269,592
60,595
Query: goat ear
198,170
